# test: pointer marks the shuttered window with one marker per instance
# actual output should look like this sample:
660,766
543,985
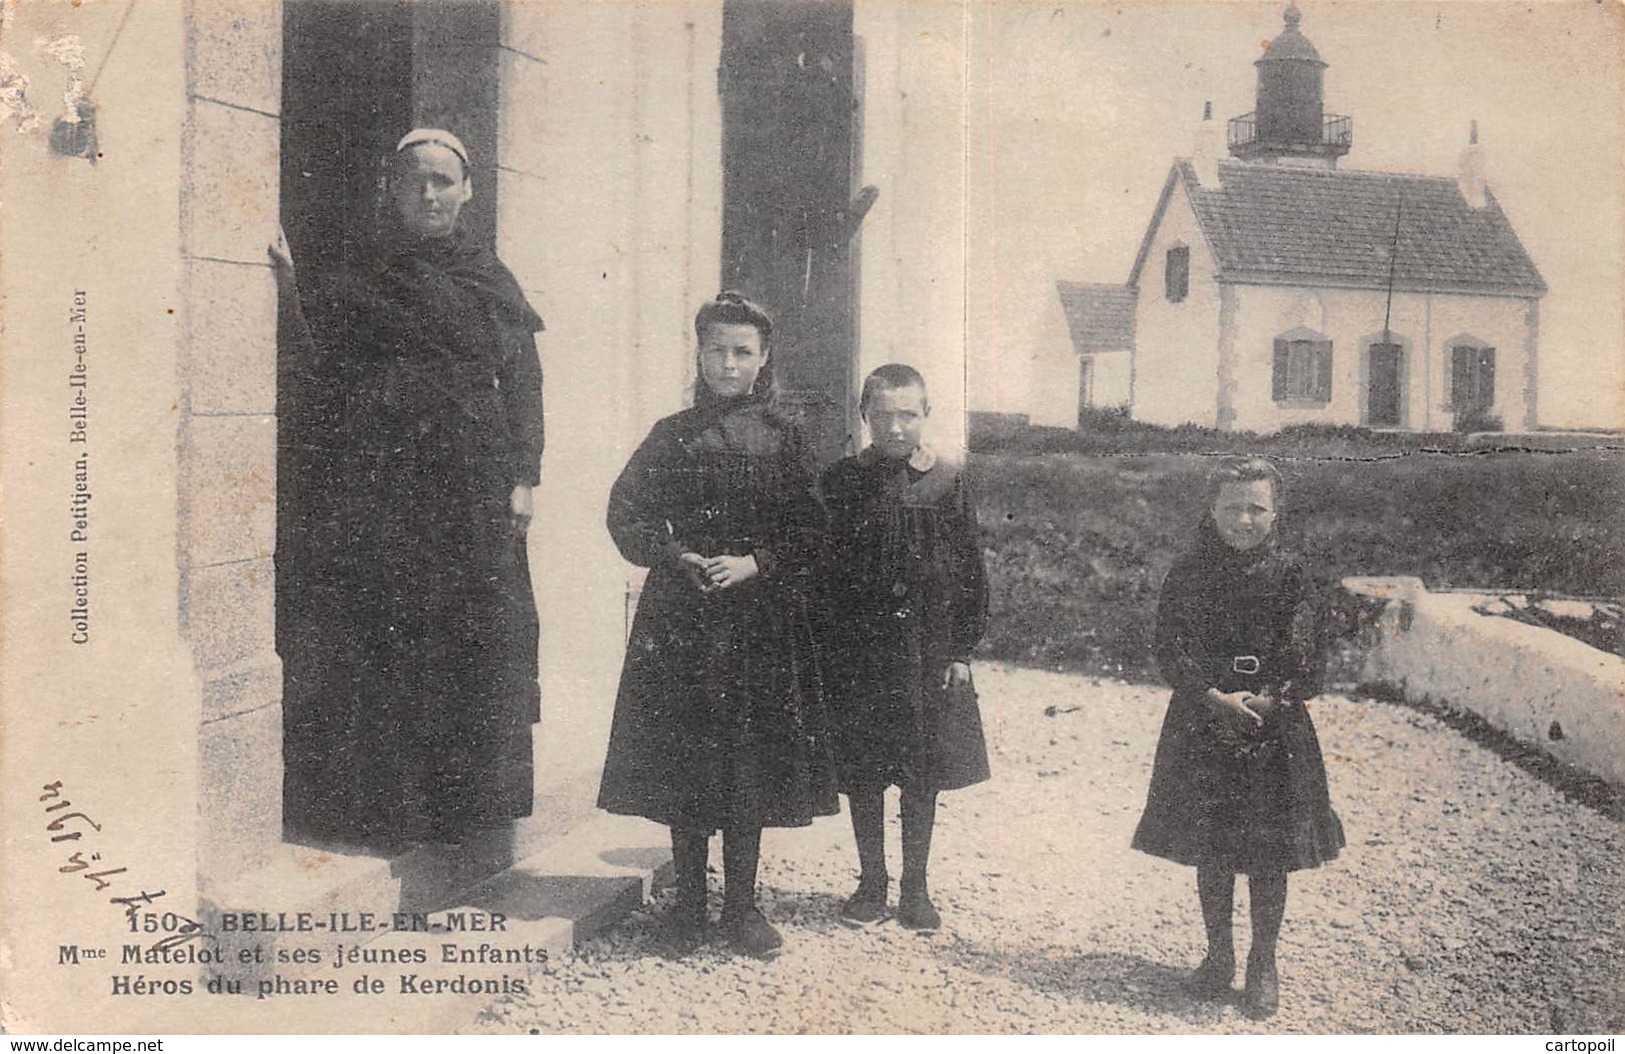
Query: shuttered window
1177,273
1472,378
1303,371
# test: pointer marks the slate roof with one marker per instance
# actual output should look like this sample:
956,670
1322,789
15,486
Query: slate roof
1100,317
1278,225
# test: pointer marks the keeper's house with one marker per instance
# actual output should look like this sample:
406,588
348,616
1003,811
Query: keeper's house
1274,290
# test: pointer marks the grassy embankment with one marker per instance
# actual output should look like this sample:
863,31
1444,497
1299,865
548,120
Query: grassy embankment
1080,532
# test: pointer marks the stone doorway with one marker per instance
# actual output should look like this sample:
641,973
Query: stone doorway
354,78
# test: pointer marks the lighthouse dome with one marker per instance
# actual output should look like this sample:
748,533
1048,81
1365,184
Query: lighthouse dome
1289,123
1291,45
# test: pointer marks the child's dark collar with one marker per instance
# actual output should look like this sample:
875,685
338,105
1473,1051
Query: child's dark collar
1215,552
924,459
937,475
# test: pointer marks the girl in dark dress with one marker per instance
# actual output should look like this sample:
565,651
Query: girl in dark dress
412,405
1239,785
910,603
719,723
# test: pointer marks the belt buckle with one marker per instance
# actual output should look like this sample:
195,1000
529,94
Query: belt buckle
1247,664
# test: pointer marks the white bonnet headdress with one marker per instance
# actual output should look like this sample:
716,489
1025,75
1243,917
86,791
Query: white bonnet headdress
437,136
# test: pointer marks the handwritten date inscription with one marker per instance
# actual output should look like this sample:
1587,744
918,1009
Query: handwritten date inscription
86,862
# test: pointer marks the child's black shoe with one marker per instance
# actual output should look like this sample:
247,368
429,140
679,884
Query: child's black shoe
751,933
916,912
683,930
1262,995
868,905
1212,979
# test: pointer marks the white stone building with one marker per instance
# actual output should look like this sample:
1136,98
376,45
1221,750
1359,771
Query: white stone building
1276,290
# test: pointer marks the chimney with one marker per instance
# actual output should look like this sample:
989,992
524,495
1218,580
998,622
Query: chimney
1205,156
1471,174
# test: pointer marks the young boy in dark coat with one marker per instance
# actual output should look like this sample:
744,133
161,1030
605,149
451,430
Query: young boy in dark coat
909,599
1238,785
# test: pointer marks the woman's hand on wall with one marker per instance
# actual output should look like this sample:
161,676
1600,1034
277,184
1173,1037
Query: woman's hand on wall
281,257
520,507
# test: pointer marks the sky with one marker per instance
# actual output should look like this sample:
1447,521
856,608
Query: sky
1077,109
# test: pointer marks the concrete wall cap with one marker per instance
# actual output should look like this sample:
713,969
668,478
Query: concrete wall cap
1385,587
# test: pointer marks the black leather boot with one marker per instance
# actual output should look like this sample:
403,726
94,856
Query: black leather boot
1217,892
868,904
914,907
686,921
747,928
1262,995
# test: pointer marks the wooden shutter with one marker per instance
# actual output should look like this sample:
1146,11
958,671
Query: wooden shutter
1176,276
1485,393
1456,391
1278,383
1323,370
789,214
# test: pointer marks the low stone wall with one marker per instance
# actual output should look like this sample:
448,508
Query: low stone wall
1537,685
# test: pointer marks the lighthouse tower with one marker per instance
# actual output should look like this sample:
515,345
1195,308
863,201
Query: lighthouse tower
1289,124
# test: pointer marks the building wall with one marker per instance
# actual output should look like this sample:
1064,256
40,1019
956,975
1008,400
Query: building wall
1176,357
1422,323
912,269
115,718
609,201
1047,377
1502,322
229,194
1110,385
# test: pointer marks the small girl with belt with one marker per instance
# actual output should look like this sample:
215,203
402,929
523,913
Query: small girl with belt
719,722
909,599
1238,785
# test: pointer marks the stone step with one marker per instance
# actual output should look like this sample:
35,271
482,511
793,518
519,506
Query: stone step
545,905
322,878
440,966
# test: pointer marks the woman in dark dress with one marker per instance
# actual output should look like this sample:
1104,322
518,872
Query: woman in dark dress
909,597
719,723
413,404
1238,785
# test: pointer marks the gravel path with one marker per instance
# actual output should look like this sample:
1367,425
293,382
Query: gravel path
1472,898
